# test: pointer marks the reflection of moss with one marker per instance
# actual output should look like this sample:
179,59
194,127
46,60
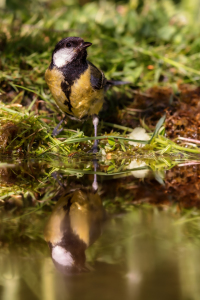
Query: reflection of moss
21,231
40,181
27,180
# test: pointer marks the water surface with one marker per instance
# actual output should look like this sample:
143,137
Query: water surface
131,239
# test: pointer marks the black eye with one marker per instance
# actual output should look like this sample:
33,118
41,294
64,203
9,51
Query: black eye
68,45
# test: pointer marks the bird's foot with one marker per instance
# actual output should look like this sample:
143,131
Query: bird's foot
94,149
56,131
95,182
56,176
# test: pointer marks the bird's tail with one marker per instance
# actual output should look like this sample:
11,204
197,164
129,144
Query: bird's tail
110,83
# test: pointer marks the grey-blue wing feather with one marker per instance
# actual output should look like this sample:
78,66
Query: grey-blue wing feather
97,78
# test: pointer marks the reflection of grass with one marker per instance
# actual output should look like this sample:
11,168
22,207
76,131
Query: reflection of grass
35,181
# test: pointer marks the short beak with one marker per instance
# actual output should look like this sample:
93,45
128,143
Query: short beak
86,44
83,46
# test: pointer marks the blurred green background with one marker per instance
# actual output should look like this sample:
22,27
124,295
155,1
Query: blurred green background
147,42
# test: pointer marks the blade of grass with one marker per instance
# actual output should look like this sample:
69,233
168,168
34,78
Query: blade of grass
167,60
118,126
175,146
158,126
11,111
29,90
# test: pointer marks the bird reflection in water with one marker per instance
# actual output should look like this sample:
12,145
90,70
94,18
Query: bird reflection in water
74,225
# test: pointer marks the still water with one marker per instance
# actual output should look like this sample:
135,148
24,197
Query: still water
85,248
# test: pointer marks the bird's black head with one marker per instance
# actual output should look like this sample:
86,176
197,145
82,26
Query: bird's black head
69,49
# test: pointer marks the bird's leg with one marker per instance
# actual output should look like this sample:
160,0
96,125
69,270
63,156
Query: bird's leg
55,175
56,131
95,121
95,183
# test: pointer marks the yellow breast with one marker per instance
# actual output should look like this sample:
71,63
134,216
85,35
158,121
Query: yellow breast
84,99
54,78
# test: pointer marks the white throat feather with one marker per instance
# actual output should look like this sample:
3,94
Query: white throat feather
63,57
61,256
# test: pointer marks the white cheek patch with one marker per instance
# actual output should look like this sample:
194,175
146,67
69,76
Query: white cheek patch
61,256
63,56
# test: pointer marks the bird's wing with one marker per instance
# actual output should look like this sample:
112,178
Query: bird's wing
97,78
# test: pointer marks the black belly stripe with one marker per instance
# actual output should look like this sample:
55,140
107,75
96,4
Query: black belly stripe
71,72
67,90
68,205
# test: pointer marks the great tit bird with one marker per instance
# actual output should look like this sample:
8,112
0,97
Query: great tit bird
75,83
73,226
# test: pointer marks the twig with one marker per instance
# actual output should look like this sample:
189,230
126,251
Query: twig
189,140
